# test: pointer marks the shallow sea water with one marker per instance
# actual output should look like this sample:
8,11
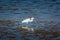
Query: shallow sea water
46,20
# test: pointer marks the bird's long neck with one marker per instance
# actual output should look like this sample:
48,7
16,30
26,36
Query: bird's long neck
31,19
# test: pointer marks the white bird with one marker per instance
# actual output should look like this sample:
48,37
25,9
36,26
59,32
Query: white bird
28,20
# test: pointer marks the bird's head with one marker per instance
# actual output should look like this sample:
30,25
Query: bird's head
32,18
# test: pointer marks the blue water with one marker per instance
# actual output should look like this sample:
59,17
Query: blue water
39,9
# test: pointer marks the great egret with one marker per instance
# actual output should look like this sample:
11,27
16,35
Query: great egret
28,20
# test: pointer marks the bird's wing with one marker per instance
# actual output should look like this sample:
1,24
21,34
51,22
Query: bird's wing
25,20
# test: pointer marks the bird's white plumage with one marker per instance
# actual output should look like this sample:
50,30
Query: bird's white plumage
28,20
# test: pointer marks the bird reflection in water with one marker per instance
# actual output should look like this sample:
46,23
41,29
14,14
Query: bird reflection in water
27,21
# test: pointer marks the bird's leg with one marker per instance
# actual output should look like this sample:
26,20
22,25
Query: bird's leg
26,24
